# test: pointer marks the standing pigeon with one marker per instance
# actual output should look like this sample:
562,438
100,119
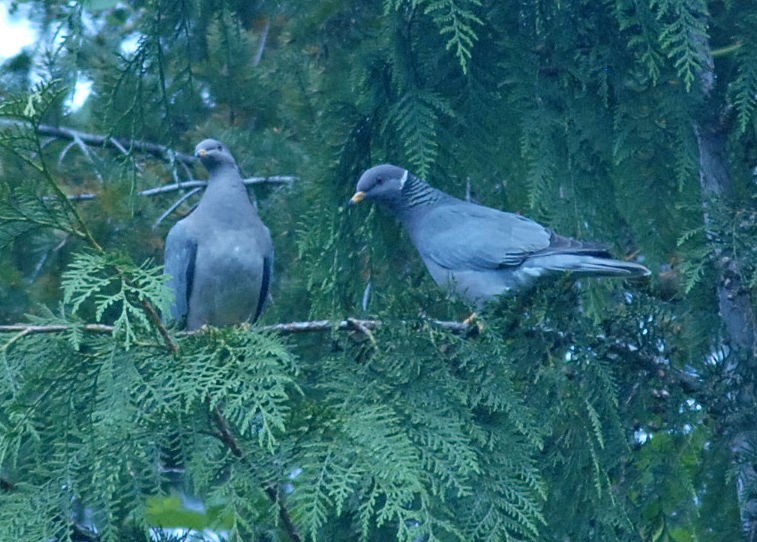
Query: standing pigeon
476,251
220,257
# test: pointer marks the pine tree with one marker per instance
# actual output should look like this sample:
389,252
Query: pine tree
597,410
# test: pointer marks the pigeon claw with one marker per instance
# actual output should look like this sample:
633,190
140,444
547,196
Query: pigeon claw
472,320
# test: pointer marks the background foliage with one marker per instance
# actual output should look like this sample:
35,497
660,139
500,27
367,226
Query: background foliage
598,411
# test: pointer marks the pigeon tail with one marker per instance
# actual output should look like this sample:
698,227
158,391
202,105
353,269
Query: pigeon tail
586,264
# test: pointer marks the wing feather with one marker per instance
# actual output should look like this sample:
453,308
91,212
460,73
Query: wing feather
466,236
265,284
179,261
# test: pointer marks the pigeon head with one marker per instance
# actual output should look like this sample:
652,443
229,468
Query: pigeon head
213,154
383,184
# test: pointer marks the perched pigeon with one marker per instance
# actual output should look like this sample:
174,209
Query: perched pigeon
476,251
220,257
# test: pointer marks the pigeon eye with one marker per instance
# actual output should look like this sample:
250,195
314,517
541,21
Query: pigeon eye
380,180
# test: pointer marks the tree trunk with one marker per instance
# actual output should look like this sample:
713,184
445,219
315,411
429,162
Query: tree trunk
737,314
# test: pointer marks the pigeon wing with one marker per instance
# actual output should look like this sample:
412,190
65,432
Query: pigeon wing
179,259
462,236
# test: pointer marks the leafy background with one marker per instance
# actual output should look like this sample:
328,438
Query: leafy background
597,411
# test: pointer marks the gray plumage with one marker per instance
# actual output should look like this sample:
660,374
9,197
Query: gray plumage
220,257
476,251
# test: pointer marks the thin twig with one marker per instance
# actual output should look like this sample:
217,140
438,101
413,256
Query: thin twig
162,329
224,432
21,334
38,268
362,329
85,151
117,144
82,231
263,39
173,207
64,152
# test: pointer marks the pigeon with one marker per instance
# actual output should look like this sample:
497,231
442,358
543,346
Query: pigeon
219,259
478,252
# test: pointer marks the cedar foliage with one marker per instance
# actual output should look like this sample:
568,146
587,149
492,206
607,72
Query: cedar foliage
597,411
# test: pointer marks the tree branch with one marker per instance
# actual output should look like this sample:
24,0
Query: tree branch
288,328
152,312
94,140
124,145
228,438
735,304
193,183
54,328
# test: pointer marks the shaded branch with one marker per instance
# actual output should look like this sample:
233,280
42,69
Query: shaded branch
227,437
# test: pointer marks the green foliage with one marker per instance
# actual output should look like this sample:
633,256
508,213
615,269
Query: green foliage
683,36
169,511
117,288
743,90
456,21
415,118
249,375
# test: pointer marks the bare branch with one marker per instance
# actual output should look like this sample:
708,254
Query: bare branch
55,328
350,324
288,328
95,140
193,183
319,325
64,152
85,151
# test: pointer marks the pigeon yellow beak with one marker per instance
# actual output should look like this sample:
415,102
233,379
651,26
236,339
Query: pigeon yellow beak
201,153
357,198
